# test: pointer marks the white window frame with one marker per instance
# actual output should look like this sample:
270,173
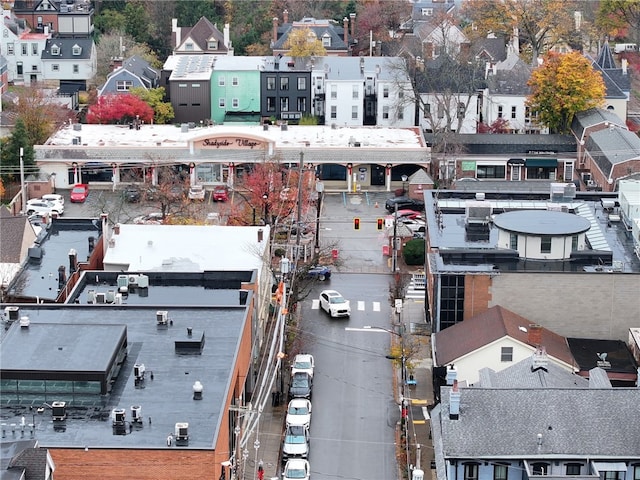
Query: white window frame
10,49
235,103
76,68
354,112
123,85
506,354
222,102
235,81
76,50
334,111
55,50
221,81
302,83
55,67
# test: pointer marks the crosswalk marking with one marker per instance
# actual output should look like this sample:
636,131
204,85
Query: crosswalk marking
361,305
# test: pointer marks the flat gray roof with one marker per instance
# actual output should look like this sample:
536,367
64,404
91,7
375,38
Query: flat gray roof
60,347
542,222
165,400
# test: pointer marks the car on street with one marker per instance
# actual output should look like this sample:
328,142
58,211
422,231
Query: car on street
196,192
334,303
220,193
296,442
403,203
319,272
44,208
79,193
296,469
303,362
299,412
300,386
132,194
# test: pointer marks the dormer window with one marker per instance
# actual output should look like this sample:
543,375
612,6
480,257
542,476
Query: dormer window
213,44
326,40
76,49
55,50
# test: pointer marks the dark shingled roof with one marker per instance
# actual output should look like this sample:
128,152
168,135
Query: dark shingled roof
492,144
611,146
318,27
615,80
575,422
201,32
11,236
66,48
592,117
512,81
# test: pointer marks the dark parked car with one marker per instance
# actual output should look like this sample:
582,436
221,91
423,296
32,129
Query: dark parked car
300,385
404,203
132,194
319,272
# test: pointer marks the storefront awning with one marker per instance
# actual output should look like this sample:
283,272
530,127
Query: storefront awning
542,162
515,161
610,466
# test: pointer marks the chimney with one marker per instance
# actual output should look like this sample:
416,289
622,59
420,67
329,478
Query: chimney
345,27
175,32
540,360
285,16
116,229
227,41
73,260
454,402
275,29
534,335
624,62
452,375
352,16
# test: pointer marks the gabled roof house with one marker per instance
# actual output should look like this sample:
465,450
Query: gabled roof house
134,72
203,38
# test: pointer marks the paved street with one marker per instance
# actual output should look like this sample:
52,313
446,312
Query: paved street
356,393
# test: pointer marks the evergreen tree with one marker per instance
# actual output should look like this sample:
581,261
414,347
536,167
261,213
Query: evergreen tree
11,154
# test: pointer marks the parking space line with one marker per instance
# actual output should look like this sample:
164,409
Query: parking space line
360,305
315,304
376,306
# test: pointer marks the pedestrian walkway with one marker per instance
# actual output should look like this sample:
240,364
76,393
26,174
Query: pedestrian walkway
419,389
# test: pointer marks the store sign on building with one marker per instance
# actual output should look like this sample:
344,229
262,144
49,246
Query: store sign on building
230,143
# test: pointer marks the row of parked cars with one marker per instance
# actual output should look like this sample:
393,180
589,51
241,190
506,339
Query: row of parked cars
295,448
53,203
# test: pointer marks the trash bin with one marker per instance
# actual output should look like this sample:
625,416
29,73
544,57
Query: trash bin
334,253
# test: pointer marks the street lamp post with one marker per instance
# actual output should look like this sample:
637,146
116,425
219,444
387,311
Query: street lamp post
404,184
320,190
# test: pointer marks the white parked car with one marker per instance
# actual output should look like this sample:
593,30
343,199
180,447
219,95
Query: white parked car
334,304
53,197
303,362
296,469
43,207
296,442
196,192
299,412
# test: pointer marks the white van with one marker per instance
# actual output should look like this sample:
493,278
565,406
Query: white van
626,47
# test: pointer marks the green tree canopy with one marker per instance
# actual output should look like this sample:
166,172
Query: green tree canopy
562,86
154,97
10,154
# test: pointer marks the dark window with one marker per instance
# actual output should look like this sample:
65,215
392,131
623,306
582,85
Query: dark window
302,104
636,472
513,241
451,300
506,354
471,471
491,171
271,104
540,468
573,468
333,172
500,472
540,173
500,111
613,475
545,244
513,112
271,83
284,104
284,83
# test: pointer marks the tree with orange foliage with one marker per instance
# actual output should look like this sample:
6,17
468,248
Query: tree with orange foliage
119,108
562,86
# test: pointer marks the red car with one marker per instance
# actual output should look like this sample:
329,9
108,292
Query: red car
220,194
79,193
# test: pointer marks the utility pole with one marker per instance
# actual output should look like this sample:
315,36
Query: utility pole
320,190
299,210
23,191
394,247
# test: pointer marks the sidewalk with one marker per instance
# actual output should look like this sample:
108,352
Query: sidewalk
420,393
